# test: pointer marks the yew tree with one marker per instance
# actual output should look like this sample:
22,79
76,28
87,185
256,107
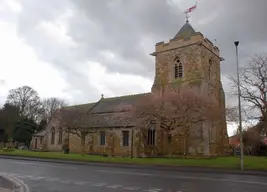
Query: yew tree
9,117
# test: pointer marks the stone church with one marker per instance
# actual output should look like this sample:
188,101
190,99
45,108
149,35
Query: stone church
189,56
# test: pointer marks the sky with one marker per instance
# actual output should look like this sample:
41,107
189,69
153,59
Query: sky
80,49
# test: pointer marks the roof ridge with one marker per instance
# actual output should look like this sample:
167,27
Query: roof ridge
94,105
79,105
118,97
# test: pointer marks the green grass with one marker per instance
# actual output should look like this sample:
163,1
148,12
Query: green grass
251,163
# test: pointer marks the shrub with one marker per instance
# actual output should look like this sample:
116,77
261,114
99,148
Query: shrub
8,149
65,148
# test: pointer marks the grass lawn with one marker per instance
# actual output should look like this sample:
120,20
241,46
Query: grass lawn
251,163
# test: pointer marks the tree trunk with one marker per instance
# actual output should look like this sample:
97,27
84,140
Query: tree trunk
265,125
169,145
82,143
186,144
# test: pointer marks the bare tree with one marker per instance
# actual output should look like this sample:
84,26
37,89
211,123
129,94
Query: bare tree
231,114
27,100
253,85
82,123
73,122
175,112
50,106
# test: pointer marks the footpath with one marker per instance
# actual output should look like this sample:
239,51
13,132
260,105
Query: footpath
139,166
12,184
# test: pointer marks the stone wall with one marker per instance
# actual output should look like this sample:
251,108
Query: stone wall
48,144
37,143
54,146
198,143
113,143
199,58
193,142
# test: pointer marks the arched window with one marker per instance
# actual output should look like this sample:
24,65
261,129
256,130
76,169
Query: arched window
178,69
209,69
60,136
53,136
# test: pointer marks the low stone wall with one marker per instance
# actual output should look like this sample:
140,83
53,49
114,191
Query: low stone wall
11,184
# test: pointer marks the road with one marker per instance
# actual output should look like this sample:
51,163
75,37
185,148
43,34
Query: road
54,177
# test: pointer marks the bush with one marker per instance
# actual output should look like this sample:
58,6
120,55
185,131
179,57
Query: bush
65,148
8,149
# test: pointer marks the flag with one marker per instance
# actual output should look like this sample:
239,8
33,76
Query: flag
191,9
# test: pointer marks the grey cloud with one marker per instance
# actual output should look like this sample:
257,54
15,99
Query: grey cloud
33,12
119,26
241,20
123,26
62,57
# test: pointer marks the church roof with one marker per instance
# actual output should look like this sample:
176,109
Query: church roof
81,108
107,112
107,105
40,133
186,31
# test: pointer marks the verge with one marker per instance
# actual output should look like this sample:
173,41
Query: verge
13,184
140,166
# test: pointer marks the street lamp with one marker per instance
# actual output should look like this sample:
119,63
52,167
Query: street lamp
265,90
239,110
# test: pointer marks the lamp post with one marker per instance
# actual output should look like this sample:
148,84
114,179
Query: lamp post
265,90
239,110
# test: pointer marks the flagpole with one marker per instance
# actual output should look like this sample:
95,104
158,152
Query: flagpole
187,17
189,10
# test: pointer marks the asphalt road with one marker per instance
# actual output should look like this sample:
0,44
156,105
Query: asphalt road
54,177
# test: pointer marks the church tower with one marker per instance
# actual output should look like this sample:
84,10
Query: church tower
190,59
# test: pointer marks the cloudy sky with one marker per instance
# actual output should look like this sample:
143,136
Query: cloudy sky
80,49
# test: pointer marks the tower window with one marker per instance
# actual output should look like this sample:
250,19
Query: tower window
178,69
60,136
102,138
151,137
125,138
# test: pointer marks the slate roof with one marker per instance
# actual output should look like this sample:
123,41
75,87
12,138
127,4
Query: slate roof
113,104
114,119
186,31
107,112
80,108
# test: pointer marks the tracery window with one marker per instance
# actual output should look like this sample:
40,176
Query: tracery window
60,136
102,138
151,137
53,132
178,69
